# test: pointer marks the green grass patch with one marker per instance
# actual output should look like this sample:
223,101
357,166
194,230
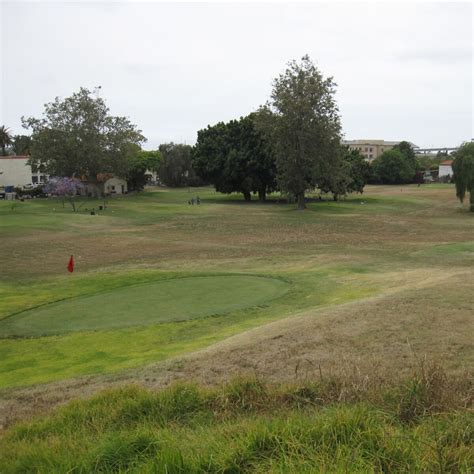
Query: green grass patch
333,425
176,299
463,249
26,361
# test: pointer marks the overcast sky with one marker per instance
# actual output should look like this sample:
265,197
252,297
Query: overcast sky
404,71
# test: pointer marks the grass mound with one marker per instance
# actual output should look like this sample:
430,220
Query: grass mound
422,424
177,299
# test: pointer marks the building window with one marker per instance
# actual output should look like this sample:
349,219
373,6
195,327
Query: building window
370,149
34,179
366,148
381,150
42,179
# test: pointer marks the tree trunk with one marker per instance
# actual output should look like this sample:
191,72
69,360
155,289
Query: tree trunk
3,150
301,202
471,200
335,197
262,195
247,196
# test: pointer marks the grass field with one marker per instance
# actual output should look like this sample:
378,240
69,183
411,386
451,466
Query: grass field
176,299
165,291
333,425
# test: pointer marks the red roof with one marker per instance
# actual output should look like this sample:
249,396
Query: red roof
447,162
15,157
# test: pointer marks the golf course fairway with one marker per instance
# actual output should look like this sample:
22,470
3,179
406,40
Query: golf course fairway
177,299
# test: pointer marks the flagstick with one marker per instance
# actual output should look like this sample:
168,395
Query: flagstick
70,269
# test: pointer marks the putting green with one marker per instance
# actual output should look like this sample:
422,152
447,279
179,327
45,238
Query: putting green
163,301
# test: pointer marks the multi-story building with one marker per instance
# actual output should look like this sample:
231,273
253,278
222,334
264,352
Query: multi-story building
371,149
15,171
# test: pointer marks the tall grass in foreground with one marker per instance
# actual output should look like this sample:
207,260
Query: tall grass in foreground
337,424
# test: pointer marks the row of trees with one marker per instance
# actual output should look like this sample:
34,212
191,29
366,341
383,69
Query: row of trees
77,137
291,144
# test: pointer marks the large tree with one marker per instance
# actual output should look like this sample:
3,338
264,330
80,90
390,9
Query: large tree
407,150
359,170
463,173
139,163
5,138
21,144
347,175
78,137
307,128
236,157
176,169
392,167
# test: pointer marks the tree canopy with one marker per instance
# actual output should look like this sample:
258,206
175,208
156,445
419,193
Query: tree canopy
346,175
139,163
463,173
176,169
306,128
21,144
409,153
77,136
392,167
236,157
5,138
359,170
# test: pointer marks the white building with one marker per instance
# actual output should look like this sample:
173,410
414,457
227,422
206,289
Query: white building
105,184
15,171
115,185
445,168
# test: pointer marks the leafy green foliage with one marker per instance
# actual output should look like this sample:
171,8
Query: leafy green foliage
347,175
397,166
235,157
138,164
408,152
337,180
359,171
392,167
463,172
21,144
305,128
176,169
5,138
78,137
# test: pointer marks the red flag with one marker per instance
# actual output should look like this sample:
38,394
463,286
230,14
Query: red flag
70,265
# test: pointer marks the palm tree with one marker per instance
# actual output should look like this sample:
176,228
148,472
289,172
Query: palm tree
5,138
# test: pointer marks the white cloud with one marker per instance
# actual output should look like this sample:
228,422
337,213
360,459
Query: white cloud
403,70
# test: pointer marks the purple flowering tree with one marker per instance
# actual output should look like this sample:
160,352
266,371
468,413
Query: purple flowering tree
66,188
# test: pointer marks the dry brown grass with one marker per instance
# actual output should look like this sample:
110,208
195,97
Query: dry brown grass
236,233
372,339
425,311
